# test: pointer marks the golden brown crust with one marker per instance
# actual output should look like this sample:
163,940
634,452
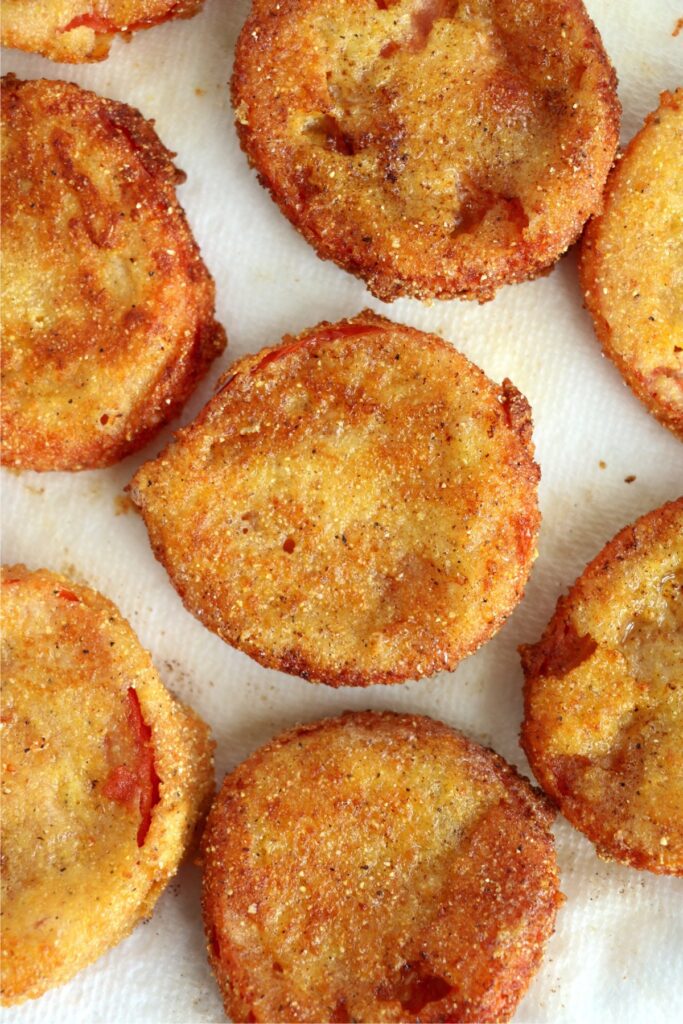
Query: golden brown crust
377,867
108,310
79,31
355,506
631,260
434,148
603,725
104,778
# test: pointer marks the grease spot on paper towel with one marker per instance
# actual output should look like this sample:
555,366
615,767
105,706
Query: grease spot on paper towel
32,489
67,568
123,505
180,680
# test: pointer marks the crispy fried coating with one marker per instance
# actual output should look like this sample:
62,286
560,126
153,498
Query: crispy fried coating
79,31
631,264
104,779
107,309
377,867
355,506
434,148
603,724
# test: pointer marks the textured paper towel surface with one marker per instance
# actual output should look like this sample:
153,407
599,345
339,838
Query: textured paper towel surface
617,954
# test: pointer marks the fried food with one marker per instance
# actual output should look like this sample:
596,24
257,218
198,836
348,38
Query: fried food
435,149
603,725
78,31
107,309
104,779
631,264
377,867
355,506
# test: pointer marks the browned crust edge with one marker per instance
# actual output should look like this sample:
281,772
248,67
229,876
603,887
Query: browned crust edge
670,417
180,739
103,37
178,379
517,415
559,632
388,287
498,1003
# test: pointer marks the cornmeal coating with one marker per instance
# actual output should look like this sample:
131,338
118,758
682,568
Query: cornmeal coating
355,506
377,867
107,308
105,777
79,31
603,723
434,148
631,264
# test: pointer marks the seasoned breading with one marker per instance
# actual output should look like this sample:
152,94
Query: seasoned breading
432,147
107,309
632,264
603,725
355,506
77,31
104,779
377,867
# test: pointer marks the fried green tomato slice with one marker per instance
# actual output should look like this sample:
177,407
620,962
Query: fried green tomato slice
434,148
104,779
355,506
79,31
107,308
377,867
603,723
631,264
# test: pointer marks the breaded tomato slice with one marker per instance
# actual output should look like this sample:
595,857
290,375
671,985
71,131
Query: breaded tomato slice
434,148
104,779
355,506
603,723
78,31
377,867
107,309
631,264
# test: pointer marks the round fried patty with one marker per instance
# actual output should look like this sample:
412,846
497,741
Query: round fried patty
75,31
435,148
603,725
104,778
107,309
356,506
632,264
377,867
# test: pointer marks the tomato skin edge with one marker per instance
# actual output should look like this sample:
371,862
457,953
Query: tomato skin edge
125,784
322,336
101,24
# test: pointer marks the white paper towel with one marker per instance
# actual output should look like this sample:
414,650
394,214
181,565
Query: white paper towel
617,954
